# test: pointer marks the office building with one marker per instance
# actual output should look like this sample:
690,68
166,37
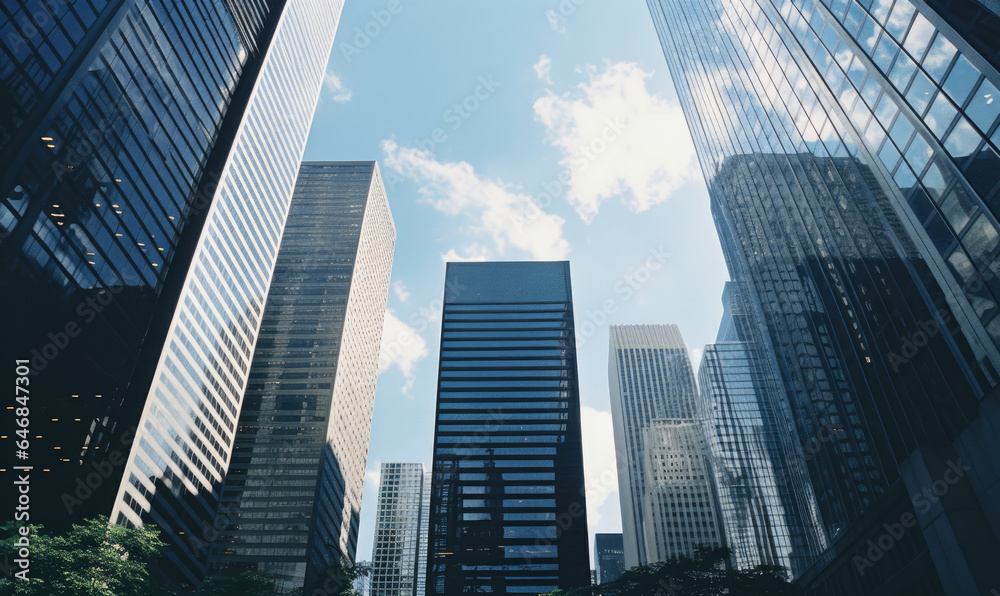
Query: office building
609,557
850,150
758,483
508,510
146,177
291,503
650,376
363,583
398,523
425,524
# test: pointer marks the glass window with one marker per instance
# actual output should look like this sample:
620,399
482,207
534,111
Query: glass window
939,57
885,53
984,107
901,131
940,234
961,80
937,179
963,140
981,240
899,21
919,37
904,177
920,91
958,208
961,266
919,153
920,204
902,71
983,173
941,115
889,156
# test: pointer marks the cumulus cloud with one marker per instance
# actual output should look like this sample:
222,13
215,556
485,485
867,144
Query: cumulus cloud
402,347
472,252
336,89
490,208
599,460
543,68
401,292
617,140
556,21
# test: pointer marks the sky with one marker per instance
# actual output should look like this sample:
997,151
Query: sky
521,130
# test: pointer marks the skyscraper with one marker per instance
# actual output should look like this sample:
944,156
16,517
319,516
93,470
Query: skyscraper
508,510
609,557
766,519
650,377
425,524
147,174
292,497
851,154
400,517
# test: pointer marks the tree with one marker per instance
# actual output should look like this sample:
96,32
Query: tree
338,579
708,573
248,583
93,559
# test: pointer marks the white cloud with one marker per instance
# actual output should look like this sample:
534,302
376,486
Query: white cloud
338,92
401,292
557,22
695,360
472,252
543,68
491,208
618,139
599,460
401,347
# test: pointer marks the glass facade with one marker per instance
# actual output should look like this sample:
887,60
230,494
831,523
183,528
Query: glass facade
508,510
851,154
609,557
292,496
400,518
650,377
766,520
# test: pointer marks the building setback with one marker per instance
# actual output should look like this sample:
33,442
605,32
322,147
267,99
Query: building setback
650,377
146,179
851,153
399,520
292,498
508,513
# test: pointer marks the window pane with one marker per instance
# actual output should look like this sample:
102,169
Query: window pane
963,140
941,115
919,37
985,105
961,80
939,57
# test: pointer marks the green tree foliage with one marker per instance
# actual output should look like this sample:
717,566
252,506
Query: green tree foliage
706,574
248,583
93,559
338,580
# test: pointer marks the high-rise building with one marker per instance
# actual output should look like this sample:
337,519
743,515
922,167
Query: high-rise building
396,552
650,376
291,502
851,153
425,524
609,557
363,583
766,519
149,153
508,509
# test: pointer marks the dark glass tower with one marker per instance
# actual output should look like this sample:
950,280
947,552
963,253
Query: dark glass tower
767,518
851,154
609,557
146,175
291,503
508,513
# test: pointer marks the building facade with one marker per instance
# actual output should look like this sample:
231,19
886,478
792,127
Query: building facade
508,509
292,497
766,519
851,154
609,557
650,377
146,179
399,520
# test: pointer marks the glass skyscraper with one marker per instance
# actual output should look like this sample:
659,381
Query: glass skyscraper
291,501
650,377
399,520
149,152
609,557
850,149
508,510
766,520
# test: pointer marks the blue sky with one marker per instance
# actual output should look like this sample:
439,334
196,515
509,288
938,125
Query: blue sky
521,130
